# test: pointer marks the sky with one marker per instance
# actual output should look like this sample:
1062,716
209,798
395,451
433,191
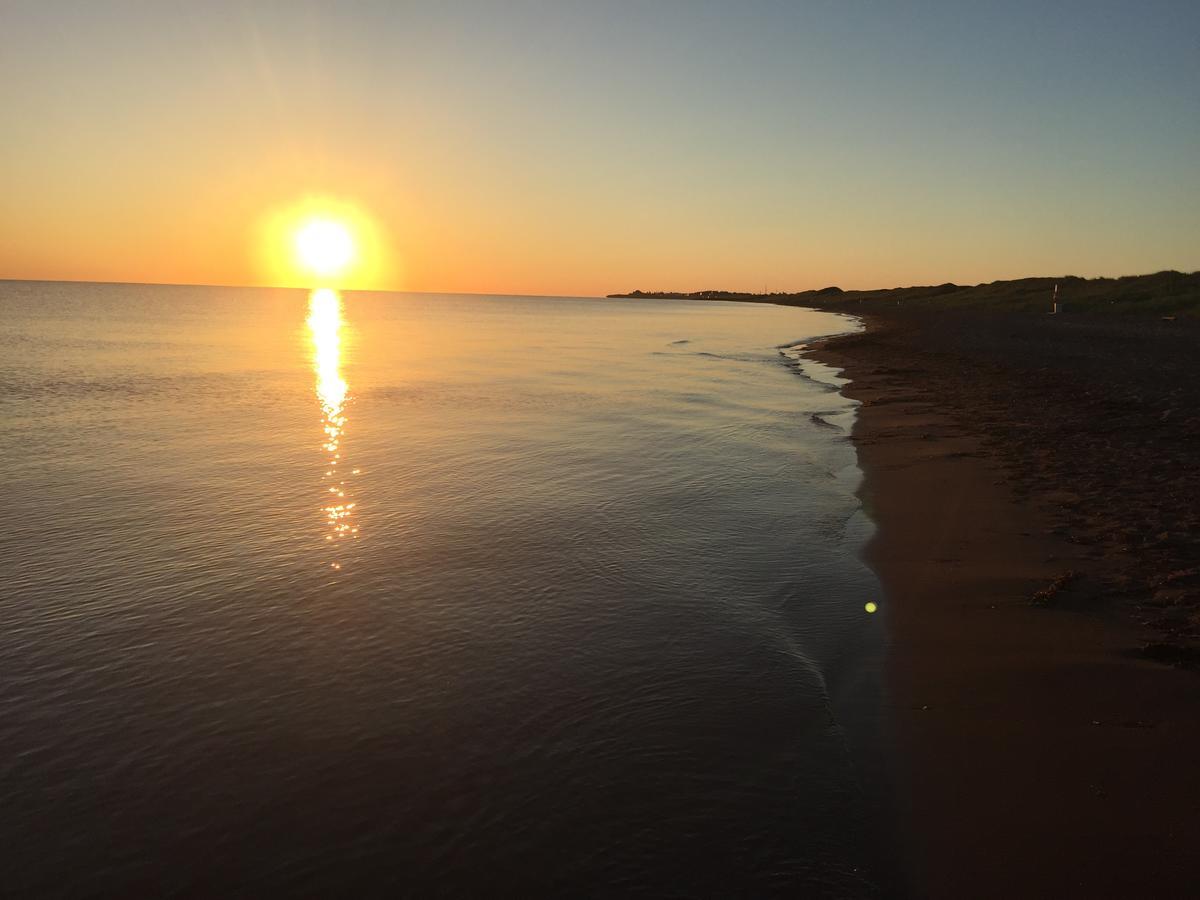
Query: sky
584,148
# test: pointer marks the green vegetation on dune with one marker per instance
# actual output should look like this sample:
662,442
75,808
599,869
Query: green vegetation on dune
1160,294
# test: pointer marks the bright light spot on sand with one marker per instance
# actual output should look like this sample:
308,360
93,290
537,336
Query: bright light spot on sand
871,606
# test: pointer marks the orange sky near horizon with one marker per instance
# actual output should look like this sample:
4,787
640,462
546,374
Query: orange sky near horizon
577,152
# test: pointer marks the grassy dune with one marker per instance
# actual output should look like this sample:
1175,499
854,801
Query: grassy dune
1160,294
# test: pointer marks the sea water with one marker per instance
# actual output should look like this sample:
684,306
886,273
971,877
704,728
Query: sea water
429,594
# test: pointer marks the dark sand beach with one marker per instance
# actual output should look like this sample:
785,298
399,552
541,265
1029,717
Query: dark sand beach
1035,486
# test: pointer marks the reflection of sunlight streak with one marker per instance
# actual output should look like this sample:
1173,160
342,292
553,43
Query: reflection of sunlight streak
325,322
325,326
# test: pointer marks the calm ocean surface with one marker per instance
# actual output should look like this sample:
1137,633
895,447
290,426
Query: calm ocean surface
429,595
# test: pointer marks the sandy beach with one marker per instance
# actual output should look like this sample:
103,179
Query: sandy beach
1034,488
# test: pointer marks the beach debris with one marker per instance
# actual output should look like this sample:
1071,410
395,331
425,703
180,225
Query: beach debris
1191,575
1047,594
1172,654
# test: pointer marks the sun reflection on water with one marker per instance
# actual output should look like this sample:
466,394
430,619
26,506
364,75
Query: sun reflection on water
325,327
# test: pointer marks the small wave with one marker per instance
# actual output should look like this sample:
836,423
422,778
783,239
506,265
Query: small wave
803,343
799,367
733,357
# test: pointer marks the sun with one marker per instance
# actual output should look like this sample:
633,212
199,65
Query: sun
324,247
323,241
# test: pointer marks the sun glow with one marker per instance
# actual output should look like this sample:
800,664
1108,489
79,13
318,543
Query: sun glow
325,247
320,242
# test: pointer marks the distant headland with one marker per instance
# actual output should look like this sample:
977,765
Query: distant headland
1163,293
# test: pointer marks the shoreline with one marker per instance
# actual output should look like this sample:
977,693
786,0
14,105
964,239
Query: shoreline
1039,753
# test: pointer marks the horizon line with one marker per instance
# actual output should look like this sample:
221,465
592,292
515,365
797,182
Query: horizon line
275,287
611,294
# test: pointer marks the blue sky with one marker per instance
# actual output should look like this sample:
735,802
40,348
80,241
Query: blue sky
572,147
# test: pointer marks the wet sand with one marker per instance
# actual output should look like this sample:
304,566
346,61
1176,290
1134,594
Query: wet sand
1046,748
